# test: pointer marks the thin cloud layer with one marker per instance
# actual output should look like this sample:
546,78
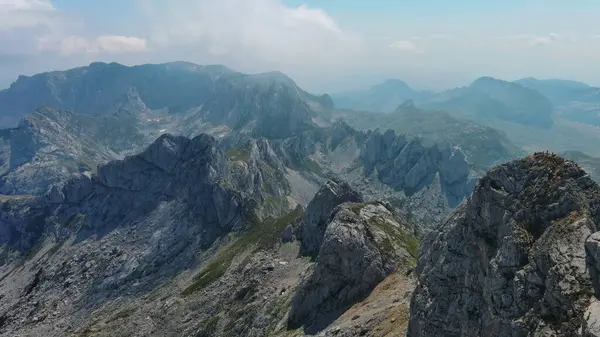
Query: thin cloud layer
261,30
27,25
321,50
20,14
404,45
110,44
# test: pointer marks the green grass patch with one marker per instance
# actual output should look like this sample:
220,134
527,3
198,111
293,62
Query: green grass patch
239,154
30,254
396,235
312,166
125,313
75,220
262,236
210,328
57,246
355,208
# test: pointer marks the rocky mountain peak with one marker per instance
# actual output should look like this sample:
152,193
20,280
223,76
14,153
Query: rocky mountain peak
314,223
519,258
361,245
409,165
168,151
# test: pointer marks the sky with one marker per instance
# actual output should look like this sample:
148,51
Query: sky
325,45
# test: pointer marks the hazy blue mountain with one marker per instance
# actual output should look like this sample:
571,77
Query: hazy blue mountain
525,106
575,101
383,97
556,90
489,98
213,96
483,145
582,106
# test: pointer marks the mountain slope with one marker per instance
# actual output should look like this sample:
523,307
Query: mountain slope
67,144
166,242
557,91
383,97
177,96
489,98
49,146
519,258
482,145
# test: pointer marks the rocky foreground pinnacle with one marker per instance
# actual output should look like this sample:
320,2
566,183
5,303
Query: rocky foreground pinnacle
315,220
520,258
362,244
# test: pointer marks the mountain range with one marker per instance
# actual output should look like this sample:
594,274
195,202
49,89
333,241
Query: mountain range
185,200
384,97
558,115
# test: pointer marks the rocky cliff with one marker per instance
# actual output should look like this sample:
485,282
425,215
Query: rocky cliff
177,240
520,258
361,245
410,166
50,146
179,97
316,218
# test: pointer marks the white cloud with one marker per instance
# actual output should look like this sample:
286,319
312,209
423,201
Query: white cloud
404,45
26,5
110,44
441,37
254,33
534,39
119,44
18,14
319,49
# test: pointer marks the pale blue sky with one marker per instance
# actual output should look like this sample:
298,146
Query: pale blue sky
325,45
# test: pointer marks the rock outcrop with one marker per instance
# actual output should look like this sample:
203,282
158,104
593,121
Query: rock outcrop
51,146
520,258
362,245
316,218
409,166
257,172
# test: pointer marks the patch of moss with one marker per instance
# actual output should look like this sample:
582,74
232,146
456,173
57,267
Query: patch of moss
210,273
57,246
262,236
312,166
210,328
30,254
274,205
239,154
125,313
75,220
357,207
396,235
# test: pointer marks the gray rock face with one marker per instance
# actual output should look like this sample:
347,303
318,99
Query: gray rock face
362,244
315,221
22,223
167,242
269,105
410,166
50,146
257,172
518,259
132,226
172,172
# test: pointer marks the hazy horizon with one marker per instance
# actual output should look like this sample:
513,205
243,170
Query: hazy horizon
325,46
